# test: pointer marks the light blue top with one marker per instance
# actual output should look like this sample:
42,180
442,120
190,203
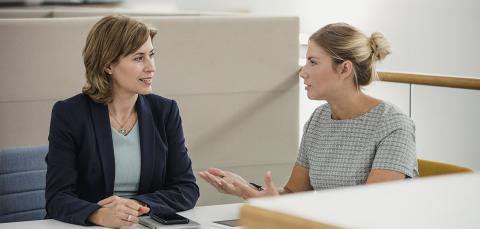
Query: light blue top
127,162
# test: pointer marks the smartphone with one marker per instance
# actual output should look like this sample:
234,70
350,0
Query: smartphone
234,223
170,219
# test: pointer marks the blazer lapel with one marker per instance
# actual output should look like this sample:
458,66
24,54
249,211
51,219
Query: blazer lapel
103,136
147,135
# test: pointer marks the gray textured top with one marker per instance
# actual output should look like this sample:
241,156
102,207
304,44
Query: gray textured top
127,162
342,152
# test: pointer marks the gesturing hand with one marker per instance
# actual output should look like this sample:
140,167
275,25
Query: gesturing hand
118,212
233,184
249,192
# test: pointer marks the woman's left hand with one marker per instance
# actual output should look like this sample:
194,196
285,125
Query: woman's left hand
117,212
124,203
248,192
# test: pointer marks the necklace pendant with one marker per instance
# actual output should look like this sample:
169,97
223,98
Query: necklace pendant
123,131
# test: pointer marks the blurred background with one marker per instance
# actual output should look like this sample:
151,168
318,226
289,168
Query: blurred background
439,38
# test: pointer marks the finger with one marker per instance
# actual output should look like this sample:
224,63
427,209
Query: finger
129,211
132,204
129,218
246,190
216,172
211,182
144,210
214,179
133,219
228,187
269,185
203,175
215,182
109,205
119,223
107,200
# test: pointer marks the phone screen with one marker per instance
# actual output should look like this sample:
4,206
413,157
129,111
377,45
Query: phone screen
169,219
230,223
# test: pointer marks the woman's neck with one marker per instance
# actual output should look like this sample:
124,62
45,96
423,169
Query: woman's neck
122,105
351,105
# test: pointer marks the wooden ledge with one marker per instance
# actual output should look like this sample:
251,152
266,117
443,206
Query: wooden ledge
431,80
253,217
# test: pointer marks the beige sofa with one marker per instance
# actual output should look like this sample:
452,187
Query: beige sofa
234,79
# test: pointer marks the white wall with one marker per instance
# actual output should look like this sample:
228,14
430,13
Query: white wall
427,36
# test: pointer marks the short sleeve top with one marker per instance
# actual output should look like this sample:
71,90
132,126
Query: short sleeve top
341,153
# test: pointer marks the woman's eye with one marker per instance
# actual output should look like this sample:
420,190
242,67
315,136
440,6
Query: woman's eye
140,58
152,54
311,62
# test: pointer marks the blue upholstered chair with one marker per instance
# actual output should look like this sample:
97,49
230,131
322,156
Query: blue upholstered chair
22,183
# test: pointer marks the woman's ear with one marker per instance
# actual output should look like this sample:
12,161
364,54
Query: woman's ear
108,69
346,69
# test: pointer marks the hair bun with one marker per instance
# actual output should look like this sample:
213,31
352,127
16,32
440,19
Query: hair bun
380,46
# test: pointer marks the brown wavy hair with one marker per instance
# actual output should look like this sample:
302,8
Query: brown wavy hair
109,39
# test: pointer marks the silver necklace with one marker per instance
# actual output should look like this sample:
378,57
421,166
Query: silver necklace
122,129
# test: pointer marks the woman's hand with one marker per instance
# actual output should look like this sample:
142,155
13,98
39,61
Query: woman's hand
233,184
118,212
223,180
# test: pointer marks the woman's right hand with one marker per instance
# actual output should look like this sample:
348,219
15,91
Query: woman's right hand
117,212
223,180
233,184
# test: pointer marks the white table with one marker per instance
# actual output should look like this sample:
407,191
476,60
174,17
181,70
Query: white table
451,201
204,215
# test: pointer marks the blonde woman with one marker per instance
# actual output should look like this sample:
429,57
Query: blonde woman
354,139
116,151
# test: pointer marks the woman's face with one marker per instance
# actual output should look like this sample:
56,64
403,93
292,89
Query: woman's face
319,76
133,74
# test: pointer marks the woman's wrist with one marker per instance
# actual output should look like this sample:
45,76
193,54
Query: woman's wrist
284,190
96,216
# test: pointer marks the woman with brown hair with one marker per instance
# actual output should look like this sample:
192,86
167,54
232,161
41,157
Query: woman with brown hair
353,139
116,151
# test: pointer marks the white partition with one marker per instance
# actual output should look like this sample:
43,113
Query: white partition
448,125
234,79
440,202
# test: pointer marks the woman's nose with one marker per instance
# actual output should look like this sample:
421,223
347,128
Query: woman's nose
301,72
150,67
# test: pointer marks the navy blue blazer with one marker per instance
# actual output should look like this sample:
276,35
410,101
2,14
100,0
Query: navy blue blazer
81,165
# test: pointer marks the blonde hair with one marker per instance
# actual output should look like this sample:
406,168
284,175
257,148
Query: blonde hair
109,39
344,42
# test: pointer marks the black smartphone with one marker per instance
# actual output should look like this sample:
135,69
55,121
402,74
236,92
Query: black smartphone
169,219
228,223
